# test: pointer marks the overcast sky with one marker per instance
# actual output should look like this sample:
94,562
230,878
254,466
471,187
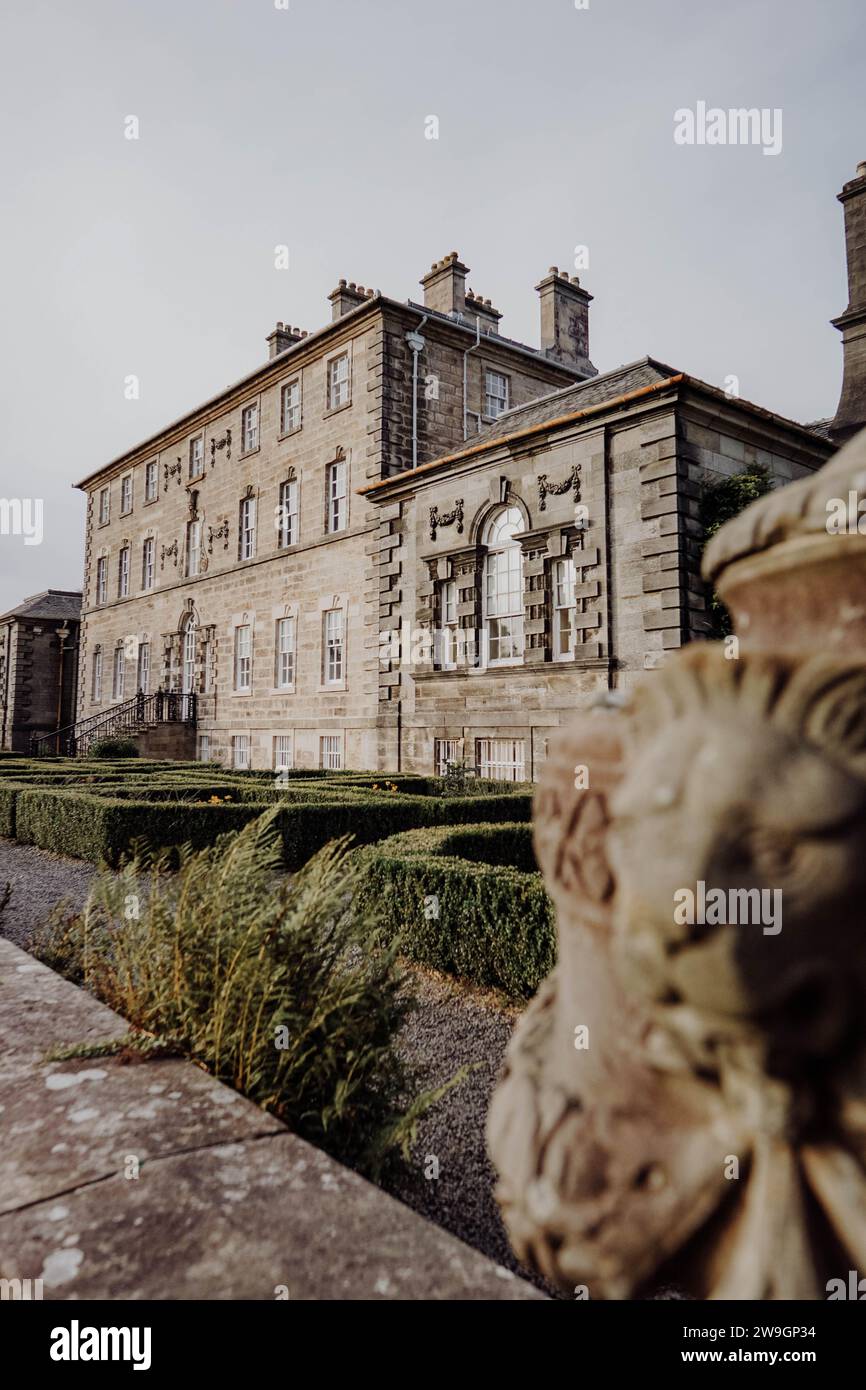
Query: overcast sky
261,126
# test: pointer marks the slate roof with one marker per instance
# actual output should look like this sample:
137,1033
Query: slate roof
595,391
51,603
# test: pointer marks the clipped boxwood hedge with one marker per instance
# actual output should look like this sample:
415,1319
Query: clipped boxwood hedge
102,821
102,828
490,922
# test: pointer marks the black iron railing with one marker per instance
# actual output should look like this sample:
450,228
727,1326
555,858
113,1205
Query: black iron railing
131,717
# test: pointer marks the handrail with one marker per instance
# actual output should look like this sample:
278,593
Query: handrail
141,712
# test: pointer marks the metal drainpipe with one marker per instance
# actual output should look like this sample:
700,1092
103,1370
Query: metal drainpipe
416,344
475,345
6,675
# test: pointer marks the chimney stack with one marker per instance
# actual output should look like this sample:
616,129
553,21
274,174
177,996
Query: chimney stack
445,285
851,410
482,310
565,320
347,297
283,337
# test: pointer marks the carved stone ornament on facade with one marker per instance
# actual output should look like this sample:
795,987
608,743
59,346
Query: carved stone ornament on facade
220,532
438,519
546,489
166,551
217,444
172,470
685,1099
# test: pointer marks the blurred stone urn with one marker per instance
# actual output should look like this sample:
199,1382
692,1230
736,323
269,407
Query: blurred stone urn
684,1102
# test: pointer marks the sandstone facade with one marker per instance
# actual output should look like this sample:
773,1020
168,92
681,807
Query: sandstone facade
234,555
38,667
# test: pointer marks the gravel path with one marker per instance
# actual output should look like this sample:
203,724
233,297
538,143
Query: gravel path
453,1025
39,880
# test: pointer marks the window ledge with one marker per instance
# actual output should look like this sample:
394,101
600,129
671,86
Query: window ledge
335,409
287,434
531,669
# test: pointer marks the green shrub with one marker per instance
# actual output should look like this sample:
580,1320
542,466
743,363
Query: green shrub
491,923
113,747
283,990
8,796
105,829
306,828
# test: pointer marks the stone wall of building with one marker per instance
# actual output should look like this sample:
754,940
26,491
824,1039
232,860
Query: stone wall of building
347,571
31,700
634,540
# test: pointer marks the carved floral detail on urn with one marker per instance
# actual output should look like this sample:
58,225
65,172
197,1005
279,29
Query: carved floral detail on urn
709,1126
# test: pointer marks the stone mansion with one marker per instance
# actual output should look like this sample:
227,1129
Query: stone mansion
407,539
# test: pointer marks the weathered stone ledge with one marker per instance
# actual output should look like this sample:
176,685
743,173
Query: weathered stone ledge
226,1204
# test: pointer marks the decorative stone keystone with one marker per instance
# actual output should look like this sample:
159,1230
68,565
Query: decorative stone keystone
685,1099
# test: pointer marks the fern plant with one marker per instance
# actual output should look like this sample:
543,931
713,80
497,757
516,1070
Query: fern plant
279,988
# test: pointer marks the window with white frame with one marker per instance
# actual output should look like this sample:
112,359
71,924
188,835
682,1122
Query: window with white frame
445,751
495,394
503,588
241,751
336,483
118,674
338,381
448,625
243,657
196,456
331,752
204,748
283,752
502,759
123,572
290,406
247,539
143,673
126,494
332,646
284,675
96,684
148,562
250,427
101,579
564,609
104,505
289,530
189,646
193,548
151,480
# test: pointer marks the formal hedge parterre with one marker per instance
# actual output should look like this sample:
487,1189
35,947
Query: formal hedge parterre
100,810
468,901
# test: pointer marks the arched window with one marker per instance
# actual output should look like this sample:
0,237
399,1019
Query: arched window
189,635
503,587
